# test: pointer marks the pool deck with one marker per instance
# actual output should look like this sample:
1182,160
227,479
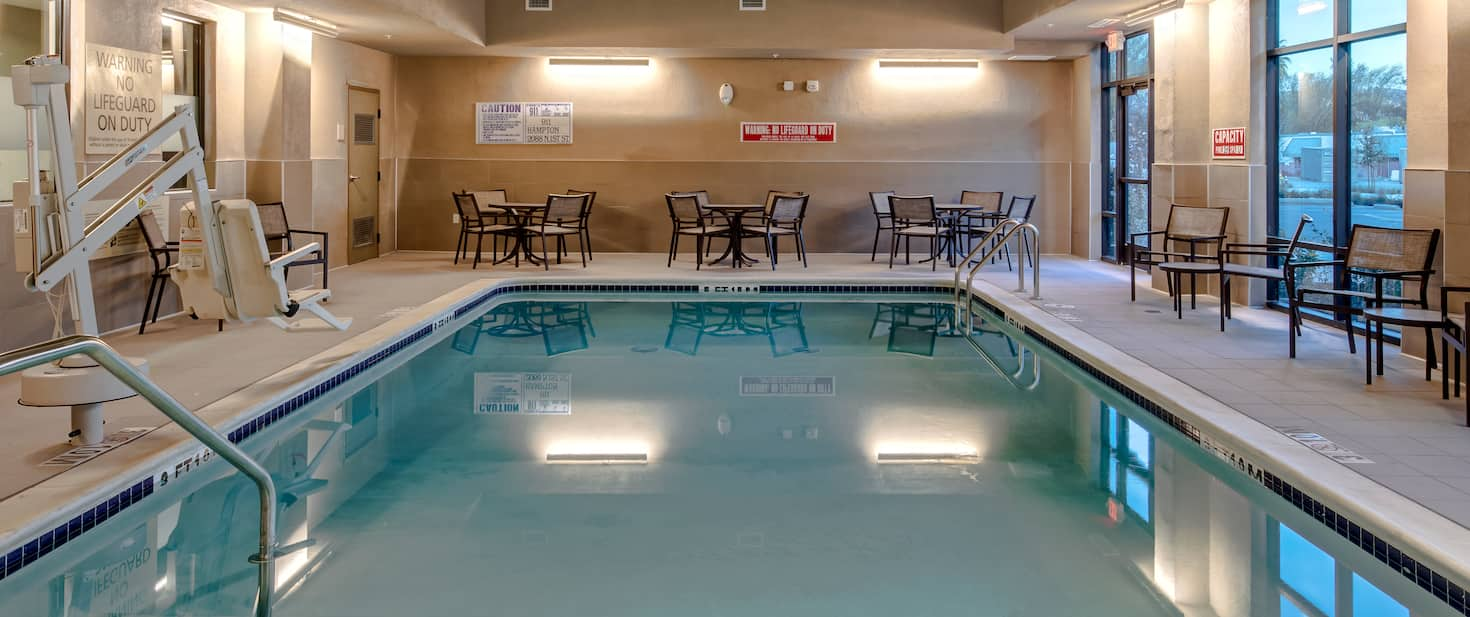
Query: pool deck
1417,443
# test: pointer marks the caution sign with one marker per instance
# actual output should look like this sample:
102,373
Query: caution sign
124,92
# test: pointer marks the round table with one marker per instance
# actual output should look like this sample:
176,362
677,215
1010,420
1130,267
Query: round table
1177,270
957,211
1403,317
521,212
735,214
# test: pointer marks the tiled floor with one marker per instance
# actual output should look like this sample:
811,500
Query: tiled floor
1417,443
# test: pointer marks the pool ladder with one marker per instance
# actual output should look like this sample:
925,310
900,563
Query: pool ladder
109,359
1007,230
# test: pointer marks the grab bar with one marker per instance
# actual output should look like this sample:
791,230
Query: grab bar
109,359
1013,226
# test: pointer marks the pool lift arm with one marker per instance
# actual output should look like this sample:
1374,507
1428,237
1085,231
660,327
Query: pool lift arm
224,270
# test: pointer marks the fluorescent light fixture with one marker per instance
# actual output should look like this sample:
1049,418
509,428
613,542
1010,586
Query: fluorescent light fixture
598,61
1104,22
598,453
307,22
1140,15
1307,7
928,453
928,64
1030,58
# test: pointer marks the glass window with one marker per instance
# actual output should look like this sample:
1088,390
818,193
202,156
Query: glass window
1379,141
1138,211
1369,600
22,35
1308,570
1128,463
1370,14
1139,56
183,76
1303,21
1304,143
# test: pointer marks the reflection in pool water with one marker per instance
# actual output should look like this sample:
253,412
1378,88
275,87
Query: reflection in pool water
993,499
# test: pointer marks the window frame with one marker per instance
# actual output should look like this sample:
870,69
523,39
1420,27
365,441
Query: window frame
203,64
1340,42
1106,467
1114,122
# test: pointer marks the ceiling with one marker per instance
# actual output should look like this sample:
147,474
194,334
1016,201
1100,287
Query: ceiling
458,28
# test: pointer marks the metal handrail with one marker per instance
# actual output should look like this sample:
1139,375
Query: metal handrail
109,359
1013,378
1025,229
1001,227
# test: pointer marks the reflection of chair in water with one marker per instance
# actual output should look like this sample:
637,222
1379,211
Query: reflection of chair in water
913,328
780,322
562,326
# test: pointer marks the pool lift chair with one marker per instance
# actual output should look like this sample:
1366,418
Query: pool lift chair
224,272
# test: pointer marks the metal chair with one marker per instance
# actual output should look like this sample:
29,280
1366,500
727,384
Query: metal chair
915,217
1189,224
161,252
884,216
561,218
473,224
1377,255
1453,338
784,215
972,224
586,236
690,218
1272,249
490,214
278,238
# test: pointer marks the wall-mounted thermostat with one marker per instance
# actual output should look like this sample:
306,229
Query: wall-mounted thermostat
812,85
789,86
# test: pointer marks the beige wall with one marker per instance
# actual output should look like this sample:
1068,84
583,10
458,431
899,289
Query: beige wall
1007,126
816,25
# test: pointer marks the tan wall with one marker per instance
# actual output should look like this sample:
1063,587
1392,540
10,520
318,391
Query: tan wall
1006,127
719,24
21,33
1086,157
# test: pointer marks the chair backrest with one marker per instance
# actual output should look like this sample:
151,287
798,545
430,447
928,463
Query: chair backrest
684,207
492,197
469,212
787,208
701,197
772,195
1020,207
989,200
152,235
1198,221
591,197
273,220
1296,237
563,208
1395,250
912,208
881,206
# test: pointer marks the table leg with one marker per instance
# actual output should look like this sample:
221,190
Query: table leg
1368,355
1380,347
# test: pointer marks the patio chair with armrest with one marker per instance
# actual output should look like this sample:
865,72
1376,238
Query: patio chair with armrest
785,213
1272,249
1187,224
884,215
488,203
1453,338
914,216
280,238
560,219
690,218
585,236
1377,254
972,224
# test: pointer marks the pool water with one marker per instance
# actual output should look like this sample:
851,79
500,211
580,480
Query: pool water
724,458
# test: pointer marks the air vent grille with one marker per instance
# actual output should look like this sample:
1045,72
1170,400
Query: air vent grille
364,129
752,5
364,231
538,5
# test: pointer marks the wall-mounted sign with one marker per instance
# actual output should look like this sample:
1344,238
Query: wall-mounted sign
789,132
1229,143
124,89
130,239
523,123
528,393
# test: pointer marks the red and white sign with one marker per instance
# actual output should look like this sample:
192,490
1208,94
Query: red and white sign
1229,143
789,132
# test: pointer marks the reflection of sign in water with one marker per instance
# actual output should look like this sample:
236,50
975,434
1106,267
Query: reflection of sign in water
788,386
531,393
523,123
124,88
130,239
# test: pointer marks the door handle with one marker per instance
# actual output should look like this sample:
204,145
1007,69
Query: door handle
352,178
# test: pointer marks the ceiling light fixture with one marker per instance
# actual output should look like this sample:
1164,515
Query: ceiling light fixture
598,61
1030,58
598,453
928,64
1104,22
304,21
928,453
1156,9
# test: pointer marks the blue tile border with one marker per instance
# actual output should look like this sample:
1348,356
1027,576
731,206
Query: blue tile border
1427,579
40,546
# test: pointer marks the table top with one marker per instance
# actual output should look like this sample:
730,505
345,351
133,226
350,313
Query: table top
1405,316
735,207
958,206
1191,266
516,204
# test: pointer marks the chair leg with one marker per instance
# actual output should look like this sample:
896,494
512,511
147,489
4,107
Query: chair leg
1132,281
699,247
1444,374
876,233
1292,331
771,250
801,244
458,246
220,326
545,260
587,237
892,249
1352,342
479,244
673,247
1431,362
147,304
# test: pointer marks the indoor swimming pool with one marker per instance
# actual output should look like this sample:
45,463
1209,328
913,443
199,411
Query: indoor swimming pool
683,455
